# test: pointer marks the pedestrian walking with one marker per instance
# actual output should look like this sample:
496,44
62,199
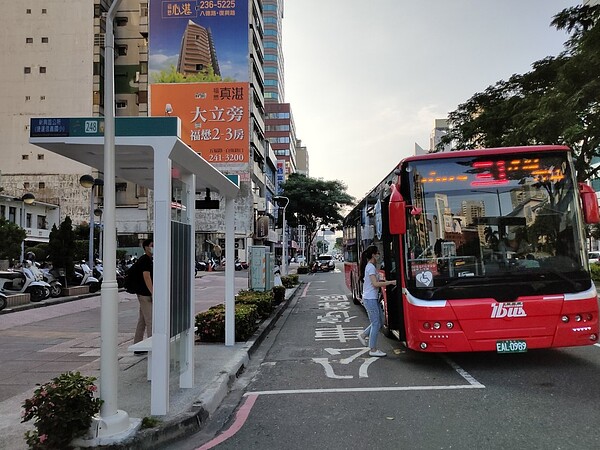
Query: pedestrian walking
144,292
370,297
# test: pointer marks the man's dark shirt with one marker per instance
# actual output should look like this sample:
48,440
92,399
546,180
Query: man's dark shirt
145,264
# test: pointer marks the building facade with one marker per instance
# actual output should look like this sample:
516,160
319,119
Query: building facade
57,71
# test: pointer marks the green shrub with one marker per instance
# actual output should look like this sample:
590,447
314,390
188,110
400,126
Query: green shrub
61,410
211,323
149,422
289,281
262,300
595,271
40,251
278,294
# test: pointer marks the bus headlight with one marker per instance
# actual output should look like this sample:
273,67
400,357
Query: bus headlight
423,345
565,319
436,326
427,325
449,325
577,317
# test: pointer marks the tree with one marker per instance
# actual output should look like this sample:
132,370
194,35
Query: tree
11,237
61,248
172,76
555,103
315,202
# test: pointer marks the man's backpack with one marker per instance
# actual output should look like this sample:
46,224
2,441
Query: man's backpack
132,279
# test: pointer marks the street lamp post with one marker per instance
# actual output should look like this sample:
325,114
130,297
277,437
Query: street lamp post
111,421
282,202
27,199
88,182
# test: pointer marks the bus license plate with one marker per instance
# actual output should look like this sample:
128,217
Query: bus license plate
511,346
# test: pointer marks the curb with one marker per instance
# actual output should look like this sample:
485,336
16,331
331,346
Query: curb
209,400
47,302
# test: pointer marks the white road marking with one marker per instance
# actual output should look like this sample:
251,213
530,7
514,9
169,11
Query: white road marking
329,369
463,373
367,389
364,367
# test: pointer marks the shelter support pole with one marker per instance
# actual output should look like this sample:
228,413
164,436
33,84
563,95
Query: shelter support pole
186,379
161,304
229,273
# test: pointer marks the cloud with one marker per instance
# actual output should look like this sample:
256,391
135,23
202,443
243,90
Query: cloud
158,61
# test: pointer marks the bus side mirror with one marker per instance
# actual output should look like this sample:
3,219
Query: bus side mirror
397,212
589,203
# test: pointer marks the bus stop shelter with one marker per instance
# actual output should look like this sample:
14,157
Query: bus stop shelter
149,152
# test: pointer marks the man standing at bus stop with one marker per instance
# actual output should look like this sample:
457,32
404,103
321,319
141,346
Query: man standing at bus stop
144,292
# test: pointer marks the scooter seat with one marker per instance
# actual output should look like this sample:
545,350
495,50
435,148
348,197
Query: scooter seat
7,275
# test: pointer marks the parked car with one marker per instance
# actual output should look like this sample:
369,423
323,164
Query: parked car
325,263
301,259
594,257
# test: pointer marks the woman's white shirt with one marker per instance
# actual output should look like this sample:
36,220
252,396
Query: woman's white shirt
370,291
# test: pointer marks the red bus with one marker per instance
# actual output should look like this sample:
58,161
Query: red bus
487,247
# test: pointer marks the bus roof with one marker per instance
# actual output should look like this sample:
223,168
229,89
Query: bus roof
486,151
372,195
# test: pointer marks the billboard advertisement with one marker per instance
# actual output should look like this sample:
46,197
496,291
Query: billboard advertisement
195,41
198,65
214,117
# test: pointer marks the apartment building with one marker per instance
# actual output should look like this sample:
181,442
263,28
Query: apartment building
57,70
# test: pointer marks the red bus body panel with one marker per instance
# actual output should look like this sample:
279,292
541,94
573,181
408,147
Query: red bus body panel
474,328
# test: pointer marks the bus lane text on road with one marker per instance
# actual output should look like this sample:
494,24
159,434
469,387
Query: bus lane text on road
336,320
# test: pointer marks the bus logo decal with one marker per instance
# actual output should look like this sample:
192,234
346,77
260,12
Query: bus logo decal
515,309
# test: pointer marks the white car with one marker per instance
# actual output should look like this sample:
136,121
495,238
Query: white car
300,259
594,257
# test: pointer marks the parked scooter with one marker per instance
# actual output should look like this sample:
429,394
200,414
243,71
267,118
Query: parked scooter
201,267
52,277
23,282
239,265
84,277
211,264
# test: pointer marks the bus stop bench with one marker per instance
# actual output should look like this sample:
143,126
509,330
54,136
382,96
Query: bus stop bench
146,346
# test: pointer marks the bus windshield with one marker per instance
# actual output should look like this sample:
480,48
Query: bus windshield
499,226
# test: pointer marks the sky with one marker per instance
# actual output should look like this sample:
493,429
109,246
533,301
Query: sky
367,79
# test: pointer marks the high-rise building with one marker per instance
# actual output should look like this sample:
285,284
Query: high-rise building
302,160
279,121
281,133
57,71
440,129
197,51
272,42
